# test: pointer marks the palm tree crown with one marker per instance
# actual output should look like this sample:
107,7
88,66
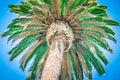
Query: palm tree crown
84,25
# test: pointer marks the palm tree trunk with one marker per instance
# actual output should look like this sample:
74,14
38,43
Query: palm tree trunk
53,63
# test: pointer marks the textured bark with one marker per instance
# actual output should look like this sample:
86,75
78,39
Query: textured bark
53,63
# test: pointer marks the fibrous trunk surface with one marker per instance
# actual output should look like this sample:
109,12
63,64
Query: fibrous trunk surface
52,67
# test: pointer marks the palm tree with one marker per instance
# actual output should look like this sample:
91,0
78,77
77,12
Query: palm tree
63,38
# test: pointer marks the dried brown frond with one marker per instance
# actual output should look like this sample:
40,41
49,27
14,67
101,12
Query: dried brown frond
72,21
97,29
95,23
68,67
25,34
42,21
77,66
30,26
40,11
83,14
84,65
96,36
70,2
78,36
63,68
88,43
91,1
58,9
54,5
50,13
75,24
73,13
78,10
41,65
29,52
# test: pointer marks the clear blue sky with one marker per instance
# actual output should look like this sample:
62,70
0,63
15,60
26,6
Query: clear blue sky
11,70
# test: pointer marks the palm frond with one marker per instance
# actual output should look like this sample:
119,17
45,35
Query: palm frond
18,49
69,71
29,54
42,49
87,20
63,75
77,65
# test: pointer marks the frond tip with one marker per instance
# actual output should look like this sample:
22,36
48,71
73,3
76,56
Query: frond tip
84,25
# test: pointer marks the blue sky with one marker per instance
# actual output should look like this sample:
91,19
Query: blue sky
11,70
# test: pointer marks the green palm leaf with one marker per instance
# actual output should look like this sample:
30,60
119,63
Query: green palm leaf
18,49
42,49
